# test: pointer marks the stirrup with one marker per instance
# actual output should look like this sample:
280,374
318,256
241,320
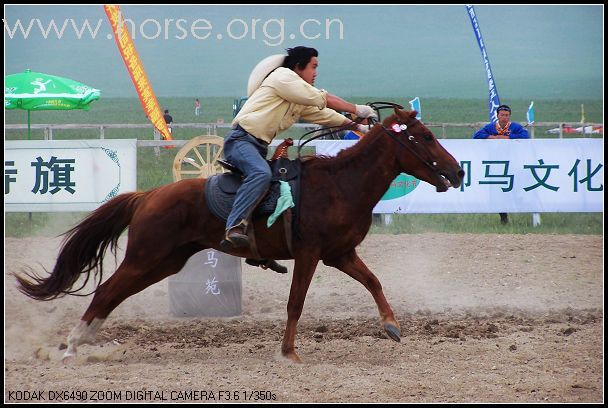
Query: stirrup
239,239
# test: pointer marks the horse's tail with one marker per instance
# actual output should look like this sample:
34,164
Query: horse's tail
83,249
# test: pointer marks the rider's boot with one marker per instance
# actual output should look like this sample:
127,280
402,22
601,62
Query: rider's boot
236,237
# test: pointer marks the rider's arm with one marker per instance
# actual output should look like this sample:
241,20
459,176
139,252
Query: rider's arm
338,104
324,117
290,87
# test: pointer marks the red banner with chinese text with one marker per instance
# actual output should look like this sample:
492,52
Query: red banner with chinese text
136,70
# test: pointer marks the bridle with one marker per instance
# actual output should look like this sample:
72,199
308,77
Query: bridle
397,129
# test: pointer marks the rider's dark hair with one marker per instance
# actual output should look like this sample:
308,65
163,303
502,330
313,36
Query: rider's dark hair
299,56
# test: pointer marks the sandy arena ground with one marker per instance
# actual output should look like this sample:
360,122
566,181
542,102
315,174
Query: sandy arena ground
484,318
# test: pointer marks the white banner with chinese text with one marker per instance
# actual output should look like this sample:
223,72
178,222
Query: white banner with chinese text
527,175
67,175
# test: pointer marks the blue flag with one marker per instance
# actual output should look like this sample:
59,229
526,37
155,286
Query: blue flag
530,113
415,105
494,100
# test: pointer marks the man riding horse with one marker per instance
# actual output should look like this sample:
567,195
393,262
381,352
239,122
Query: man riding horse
334,216
280,93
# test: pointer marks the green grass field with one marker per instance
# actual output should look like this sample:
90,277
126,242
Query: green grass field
128,110
155,170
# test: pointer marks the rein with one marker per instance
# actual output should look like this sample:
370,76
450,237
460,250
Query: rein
330,129
325,131
396,129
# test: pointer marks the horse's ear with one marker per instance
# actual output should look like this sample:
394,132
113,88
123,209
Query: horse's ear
413,114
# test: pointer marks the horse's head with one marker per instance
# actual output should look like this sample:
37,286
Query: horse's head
419,152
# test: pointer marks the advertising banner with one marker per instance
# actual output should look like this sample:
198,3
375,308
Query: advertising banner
67,175
526,175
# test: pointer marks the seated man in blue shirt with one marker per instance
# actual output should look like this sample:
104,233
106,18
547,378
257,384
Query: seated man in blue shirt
503,129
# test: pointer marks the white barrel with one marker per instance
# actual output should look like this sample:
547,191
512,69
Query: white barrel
208,285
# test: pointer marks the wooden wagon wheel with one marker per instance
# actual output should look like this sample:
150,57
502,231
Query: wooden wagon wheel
198,158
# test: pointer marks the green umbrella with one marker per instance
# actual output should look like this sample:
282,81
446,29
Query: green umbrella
37,91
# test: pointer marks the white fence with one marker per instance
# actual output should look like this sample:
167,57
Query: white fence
211,128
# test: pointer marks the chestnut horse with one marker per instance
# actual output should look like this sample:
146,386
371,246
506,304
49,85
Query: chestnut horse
170,223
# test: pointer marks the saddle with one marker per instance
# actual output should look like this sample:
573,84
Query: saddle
220,193
220,190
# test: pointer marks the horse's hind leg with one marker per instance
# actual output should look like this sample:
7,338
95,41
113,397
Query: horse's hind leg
354,267
126,281
132,276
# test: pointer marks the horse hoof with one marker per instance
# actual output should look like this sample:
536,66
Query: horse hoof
393,332
67,357
293,357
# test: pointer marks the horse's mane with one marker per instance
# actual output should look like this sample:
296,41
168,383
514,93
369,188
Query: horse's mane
354,152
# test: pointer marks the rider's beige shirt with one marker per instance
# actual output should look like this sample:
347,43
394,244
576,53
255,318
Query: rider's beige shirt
281,100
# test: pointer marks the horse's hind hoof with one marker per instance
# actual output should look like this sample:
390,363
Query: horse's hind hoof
68,357
393,332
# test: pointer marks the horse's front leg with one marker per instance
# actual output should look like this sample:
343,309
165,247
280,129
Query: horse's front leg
354,267
304,269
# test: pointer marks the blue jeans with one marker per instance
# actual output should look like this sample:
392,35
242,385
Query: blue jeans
248,154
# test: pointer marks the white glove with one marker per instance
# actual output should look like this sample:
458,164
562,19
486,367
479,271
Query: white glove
364,111
363,128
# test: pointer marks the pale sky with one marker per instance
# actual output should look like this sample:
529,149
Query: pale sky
387,50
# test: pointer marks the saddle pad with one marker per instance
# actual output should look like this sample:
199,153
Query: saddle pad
229,183
220,192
